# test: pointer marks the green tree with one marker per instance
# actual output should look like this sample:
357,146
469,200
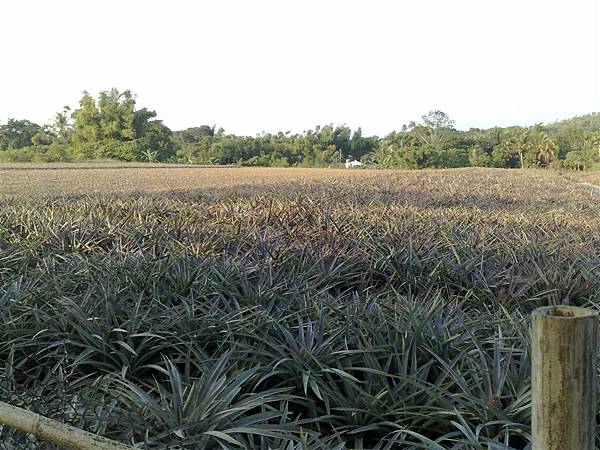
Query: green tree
193,135
516,143
436,127
502,158
17,134
116,113
385,153
590,151
544,148
61,125
42,137
361,146
448,158
157,137
112,127
575,160
478,157
86,122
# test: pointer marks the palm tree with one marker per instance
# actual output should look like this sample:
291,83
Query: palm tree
384,153
544,148
590,150
61,124
593,141
516,143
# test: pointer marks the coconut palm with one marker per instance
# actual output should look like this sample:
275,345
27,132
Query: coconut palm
516,143
543,147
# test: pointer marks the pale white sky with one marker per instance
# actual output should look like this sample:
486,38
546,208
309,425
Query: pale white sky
257,65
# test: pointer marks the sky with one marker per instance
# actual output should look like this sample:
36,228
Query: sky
262,65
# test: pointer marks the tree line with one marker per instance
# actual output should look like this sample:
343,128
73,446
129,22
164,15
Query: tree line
112,127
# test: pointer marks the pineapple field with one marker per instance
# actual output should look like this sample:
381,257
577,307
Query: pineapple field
171,307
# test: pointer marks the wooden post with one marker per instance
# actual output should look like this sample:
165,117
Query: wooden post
55,432
563,379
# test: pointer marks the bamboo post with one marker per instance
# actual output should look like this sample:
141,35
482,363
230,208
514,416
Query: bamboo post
564,340
55,432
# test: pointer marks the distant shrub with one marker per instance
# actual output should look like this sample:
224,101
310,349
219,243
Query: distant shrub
501,158
55,152
452,158
574,160
479,158
265,161
279,162
126,151
85,152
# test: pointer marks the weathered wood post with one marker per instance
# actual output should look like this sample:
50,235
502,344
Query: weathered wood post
55,432
563,341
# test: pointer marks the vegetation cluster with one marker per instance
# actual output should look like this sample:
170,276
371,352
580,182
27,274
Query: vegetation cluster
384,310
111,127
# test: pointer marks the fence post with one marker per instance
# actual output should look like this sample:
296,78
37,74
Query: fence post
563,384
55,432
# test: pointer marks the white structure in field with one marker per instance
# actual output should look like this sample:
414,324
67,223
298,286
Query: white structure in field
352,164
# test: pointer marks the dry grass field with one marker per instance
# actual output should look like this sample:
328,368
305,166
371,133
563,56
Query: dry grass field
285,308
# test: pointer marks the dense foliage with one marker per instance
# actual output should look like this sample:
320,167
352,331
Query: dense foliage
111,127
108,128
375,310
